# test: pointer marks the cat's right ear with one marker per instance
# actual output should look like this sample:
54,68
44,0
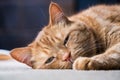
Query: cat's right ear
56,14
22,55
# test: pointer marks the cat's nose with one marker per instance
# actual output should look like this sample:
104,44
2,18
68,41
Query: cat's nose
66,56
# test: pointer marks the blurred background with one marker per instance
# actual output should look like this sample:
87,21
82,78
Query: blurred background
21,20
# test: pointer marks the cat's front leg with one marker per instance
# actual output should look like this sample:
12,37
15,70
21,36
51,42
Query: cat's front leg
105,61
85,63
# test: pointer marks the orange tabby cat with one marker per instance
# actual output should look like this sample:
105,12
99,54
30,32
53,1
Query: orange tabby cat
89,40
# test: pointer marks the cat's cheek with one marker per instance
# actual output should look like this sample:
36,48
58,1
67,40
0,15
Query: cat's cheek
81,63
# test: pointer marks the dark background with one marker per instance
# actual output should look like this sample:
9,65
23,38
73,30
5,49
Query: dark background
21,20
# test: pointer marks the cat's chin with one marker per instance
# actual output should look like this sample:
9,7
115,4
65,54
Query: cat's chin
69,65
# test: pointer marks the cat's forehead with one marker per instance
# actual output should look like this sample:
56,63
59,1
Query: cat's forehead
41,53
55,31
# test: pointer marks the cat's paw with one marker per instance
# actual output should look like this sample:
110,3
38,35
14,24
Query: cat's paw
85,63
81,63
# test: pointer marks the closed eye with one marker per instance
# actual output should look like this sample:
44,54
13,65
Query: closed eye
49,60
66,40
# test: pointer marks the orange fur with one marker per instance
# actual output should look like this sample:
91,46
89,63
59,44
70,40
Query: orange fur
88,40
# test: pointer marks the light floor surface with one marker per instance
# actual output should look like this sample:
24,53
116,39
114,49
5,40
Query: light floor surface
13,70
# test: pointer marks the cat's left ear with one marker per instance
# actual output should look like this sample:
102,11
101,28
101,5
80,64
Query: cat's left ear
22,55
56,14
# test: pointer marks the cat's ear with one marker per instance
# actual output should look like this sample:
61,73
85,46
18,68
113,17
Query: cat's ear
56,14
22,54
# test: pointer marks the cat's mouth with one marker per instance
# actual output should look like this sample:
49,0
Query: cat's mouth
70,60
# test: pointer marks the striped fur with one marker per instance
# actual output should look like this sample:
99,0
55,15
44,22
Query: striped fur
88,40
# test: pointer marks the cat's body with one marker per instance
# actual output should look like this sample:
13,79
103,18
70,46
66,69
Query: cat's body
88,40
101,21
104,22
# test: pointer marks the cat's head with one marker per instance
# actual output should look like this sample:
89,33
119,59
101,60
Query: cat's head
55,45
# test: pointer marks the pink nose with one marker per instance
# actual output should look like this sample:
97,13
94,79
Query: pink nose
66,57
